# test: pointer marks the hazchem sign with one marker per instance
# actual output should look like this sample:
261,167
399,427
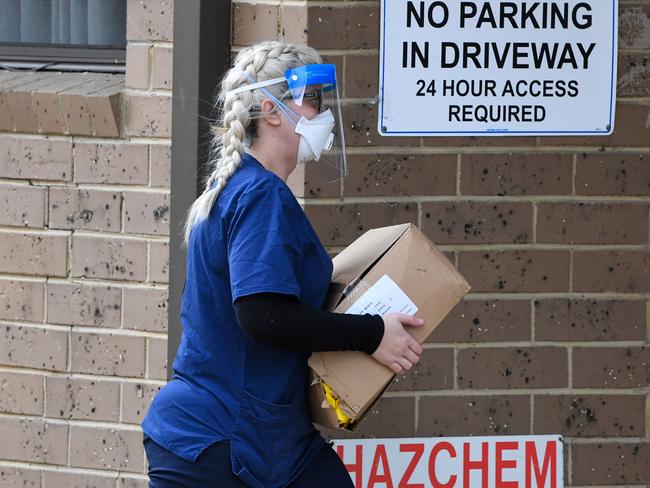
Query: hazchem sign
495,67
455,462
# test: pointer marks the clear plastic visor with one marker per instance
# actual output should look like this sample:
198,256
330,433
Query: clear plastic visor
316,86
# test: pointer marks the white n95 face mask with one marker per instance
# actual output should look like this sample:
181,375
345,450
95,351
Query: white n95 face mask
316,136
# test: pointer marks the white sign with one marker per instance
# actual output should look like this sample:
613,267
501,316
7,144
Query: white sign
455,462
385,296
492,67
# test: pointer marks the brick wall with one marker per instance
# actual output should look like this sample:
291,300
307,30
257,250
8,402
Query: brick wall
84,225
552,233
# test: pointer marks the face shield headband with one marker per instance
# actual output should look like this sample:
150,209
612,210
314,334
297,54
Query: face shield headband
321,137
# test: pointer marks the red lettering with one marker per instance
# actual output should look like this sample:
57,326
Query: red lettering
532,463
502,464
417,450
355,468
469,465
375,477
441,446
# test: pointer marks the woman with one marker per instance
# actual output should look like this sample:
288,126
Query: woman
235,412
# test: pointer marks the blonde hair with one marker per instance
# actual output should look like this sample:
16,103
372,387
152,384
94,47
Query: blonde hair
260,62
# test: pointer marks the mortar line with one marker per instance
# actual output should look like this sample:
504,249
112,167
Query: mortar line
458,174
532,320
574,166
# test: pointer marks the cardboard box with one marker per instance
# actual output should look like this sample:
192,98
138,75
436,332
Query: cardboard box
364,272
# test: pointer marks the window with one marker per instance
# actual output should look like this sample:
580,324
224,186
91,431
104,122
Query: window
55,32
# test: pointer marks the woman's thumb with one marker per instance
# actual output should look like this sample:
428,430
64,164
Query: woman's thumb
411,320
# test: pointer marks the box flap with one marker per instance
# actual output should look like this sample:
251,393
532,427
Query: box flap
350,263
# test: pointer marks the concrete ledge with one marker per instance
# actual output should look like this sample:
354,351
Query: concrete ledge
86,104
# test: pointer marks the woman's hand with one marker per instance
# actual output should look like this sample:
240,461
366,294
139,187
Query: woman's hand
398,350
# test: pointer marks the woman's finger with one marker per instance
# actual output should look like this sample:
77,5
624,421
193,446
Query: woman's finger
415,347
412,357
405,363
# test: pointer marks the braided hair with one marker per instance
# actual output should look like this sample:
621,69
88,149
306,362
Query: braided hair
260,62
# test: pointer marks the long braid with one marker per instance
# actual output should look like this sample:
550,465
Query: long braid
257,63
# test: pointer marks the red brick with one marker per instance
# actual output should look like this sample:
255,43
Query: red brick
516,174
592,223
634,26
307,182
477,222
474,415
293,24
611,367
515,271
339,225
400,175
625,174
631,128
435,371
360,121
563,319
343,27
611,464
361,76
485,321
513,367
633,78
390,417
253,23
479,141
590,415
615,271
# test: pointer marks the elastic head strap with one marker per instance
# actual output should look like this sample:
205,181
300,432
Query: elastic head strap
261,86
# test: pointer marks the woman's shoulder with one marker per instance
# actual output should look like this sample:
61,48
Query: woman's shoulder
253,182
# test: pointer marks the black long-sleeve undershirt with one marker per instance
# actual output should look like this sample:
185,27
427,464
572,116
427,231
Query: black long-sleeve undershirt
284,321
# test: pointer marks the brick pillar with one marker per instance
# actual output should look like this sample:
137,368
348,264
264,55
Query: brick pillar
84,231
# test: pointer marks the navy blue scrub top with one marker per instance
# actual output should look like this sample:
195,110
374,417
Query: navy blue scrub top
225,386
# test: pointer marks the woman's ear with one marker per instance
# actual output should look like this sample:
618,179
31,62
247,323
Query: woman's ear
270,112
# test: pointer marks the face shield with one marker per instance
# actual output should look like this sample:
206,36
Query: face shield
322,145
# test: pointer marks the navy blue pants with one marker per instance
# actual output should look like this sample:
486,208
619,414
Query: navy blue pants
212,469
